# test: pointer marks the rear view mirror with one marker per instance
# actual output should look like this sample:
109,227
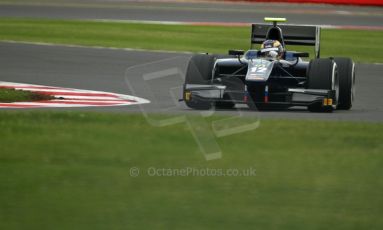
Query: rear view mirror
236,52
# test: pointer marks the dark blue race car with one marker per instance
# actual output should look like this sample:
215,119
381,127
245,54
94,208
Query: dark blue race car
271,77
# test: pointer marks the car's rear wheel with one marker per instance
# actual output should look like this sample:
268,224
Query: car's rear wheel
323,74
346,71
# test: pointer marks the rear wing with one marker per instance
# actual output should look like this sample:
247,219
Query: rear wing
291,35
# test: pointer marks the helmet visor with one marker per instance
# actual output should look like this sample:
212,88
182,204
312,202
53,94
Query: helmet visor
269,49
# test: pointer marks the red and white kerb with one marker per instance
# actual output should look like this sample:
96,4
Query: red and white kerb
68,97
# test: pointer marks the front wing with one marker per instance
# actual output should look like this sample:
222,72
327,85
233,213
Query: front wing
294,96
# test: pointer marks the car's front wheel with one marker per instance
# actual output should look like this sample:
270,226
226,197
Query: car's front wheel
199,71
323,74
346,71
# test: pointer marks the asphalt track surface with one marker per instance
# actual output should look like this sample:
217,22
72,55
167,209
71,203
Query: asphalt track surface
200,12
126,72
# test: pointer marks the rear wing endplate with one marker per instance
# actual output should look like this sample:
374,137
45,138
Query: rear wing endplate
291,34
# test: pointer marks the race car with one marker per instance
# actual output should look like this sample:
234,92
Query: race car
271,77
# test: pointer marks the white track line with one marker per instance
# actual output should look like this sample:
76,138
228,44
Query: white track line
228,24
94,47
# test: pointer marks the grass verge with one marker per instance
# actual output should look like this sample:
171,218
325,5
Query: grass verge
12,95
213,39
69,169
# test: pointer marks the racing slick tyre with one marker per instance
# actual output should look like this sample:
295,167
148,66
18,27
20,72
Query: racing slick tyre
199,71
323,74
346,72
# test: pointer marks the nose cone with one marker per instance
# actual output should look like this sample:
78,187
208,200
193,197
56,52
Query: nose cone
259,70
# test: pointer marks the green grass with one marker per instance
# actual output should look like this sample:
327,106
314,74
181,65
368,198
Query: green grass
12,95
70,170
214,39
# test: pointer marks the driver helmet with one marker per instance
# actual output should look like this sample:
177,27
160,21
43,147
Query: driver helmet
272,49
